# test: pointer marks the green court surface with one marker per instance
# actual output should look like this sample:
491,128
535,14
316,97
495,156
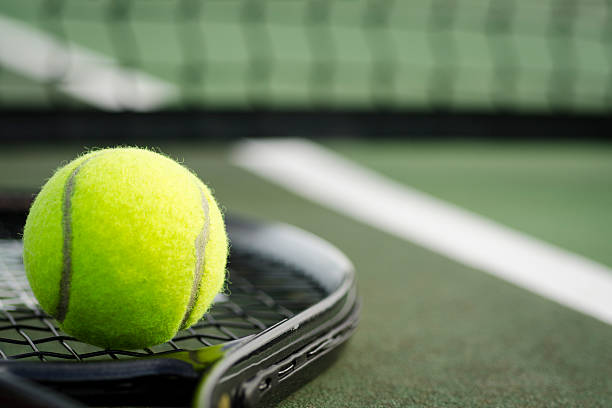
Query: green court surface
558,192
433,332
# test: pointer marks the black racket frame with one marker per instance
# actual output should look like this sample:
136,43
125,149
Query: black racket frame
255,371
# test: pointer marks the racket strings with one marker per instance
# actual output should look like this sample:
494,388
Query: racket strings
261,293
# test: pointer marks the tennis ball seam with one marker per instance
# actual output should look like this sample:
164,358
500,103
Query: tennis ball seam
66,277
200,246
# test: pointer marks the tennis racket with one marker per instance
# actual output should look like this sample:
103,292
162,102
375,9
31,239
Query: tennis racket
290,307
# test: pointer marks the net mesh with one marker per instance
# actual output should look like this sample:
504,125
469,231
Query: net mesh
426,55
262,292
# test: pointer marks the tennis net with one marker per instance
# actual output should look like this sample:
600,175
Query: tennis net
485,55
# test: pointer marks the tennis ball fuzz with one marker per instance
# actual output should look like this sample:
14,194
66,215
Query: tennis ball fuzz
124,247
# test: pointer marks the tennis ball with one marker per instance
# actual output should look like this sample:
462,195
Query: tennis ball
124,247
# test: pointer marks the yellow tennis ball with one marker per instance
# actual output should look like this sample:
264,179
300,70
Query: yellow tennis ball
124,247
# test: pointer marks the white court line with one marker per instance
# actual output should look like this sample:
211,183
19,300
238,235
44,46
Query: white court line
84,74
326,178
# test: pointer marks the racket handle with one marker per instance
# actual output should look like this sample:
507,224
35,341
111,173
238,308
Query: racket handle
20,393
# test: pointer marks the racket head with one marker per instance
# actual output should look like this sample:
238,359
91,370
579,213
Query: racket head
281,358
287,291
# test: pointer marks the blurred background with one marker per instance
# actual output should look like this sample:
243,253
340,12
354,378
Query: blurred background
499,109
307,68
